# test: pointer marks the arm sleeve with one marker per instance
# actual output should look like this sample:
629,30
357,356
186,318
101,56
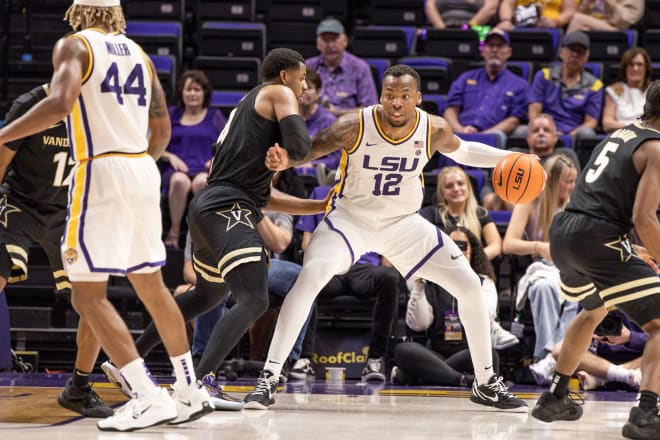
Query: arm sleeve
477,154
419,313
295,138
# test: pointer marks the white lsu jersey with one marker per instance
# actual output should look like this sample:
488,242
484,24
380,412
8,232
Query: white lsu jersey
380,178
111,115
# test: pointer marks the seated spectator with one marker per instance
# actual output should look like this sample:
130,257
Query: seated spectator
567,91
347,80
624,100
316,119
432,317
612,358
195,127
542,140
366,279
606,15
452,13
491,99
532,13
456,204
527,234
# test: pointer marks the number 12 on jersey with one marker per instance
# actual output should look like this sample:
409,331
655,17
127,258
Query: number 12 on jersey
386,184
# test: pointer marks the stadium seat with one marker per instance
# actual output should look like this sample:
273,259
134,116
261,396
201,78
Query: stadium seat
378,67
232,39
225,10
166,70
398,12
434,104
154,9
523,69
651,42
534,44
303,11
230,73
452,43
435,73
383,41
303,39
225,100
609,46
157,37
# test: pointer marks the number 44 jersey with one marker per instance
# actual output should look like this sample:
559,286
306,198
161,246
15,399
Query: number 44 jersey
380,178
111,115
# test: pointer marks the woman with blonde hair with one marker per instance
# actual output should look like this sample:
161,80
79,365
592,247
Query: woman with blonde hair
527,234
457,205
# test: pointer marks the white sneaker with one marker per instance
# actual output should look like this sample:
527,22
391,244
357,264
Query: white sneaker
635,379
192,404
590,382
115,377
141,412
543,369
501,338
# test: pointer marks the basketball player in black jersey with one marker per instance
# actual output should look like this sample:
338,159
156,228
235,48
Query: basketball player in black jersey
617,190
33,205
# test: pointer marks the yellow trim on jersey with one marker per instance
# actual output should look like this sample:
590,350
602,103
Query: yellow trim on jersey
360,134
148,62
75,207
63,285
60,273
91,57
78,131
387,138
12,248
117,154
429,148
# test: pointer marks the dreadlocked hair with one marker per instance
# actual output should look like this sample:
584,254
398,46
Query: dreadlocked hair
81,16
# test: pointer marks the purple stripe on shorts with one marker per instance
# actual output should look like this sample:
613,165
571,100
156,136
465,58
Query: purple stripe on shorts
350,249
427,256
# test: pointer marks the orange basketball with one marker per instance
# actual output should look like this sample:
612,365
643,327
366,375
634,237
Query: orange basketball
518,178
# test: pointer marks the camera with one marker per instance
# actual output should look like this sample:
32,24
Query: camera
611,325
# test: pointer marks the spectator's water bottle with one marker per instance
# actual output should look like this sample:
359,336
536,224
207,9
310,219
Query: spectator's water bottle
517,327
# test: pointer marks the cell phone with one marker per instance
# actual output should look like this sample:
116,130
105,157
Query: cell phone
611,325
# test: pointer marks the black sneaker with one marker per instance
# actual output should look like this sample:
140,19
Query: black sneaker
549,408
642,424
496,395
263,394
84,401
374,370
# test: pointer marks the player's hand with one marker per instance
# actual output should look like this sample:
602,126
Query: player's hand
648,259
277,158
623,338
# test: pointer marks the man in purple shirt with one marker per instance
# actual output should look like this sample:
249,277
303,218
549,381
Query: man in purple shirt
491,99
568,92
367,279
347,80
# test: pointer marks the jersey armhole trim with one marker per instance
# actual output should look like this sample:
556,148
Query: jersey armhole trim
90,65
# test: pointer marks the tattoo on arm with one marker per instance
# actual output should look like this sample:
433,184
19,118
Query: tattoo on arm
343,133
158,107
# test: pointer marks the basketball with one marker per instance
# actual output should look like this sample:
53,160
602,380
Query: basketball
518,178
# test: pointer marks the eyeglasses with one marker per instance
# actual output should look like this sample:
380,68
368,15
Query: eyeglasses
462,244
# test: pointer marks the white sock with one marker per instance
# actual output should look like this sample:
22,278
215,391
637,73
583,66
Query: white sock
138,376
183,370
617,373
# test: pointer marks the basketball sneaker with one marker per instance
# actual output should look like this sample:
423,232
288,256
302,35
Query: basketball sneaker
544,369
642,424
500,338
496,395
221,400
550,408
374,370
141,412
84,401
302,370
115,377
263,394
192,403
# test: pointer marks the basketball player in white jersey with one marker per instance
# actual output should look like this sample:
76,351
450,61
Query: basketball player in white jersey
378,193
117,122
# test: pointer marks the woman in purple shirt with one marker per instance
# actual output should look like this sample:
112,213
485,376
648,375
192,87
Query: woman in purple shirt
195,127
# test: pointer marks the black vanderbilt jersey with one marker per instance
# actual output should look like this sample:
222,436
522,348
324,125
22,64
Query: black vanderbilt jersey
40,170
607,186
241,150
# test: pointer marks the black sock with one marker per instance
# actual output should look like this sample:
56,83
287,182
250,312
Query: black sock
647,400
80,379
559,385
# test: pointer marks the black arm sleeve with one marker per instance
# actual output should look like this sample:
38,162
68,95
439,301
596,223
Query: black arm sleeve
295,138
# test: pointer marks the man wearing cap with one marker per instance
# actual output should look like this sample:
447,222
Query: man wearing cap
106,88
567,92
347,80
490,99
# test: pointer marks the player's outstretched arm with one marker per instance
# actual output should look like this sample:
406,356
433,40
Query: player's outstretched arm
70,60
282,202
647,198
160,127
470,153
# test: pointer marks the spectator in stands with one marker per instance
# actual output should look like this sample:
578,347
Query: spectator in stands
456,204
624,100
542,140
567,91
527,234
195,127
606,15
347,80
611,358
491,99
530,13
450,13
316,119
366,279
432,319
